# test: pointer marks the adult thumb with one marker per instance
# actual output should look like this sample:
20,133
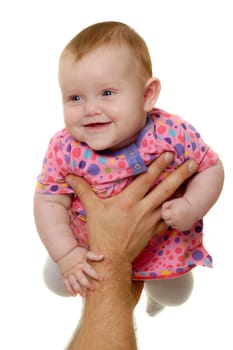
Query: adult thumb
82,189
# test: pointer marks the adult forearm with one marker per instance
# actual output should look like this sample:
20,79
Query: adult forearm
107,321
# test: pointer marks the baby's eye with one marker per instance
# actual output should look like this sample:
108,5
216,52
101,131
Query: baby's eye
75,98
107,93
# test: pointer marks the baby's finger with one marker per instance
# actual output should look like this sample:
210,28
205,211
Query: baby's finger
94,256
91,272
82,280
69,288
73,286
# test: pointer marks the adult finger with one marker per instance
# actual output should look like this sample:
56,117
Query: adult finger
83,190
143,183
170,184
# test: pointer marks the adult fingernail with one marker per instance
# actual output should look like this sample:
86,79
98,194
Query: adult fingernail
168,157
69,180
192,166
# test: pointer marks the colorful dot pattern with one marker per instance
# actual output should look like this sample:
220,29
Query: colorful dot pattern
173,252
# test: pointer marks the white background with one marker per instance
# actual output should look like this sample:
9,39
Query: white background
191,48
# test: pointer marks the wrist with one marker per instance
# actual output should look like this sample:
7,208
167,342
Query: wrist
63,254
116,280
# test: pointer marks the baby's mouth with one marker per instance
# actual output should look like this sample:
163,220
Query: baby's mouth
96,125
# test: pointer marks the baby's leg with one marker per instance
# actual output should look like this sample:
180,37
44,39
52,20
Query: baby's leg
53,279
168,292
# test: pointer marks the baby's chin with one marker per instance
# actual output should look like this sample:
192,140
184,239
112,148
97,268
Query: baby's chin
98,147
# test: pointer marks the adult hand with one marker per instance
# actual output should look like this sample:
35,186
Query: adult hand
134,215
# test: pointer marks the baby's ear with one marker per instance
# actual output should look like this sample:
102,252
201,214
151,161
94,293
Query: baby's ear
151,93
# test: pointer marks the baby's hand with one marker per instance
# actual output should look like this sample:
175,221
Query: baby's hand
179,214
75,270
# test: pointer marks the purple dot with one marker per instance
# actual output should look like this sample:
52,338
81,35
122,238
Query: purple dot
192,128
194,146
68,148
197,255
82,212
160,253
67,158
183,126
169,122
93,169
179,149
153,274
186,233
198,229
82,164
168,140
197,135
54,188
179,270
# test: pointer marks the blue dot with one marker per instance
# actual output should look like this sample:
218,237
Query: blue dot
187,137
74,164
93,169
102,160
172,132
87,153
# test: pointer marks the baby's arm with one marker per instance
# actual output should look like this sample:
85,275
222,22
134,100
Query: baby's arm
53,225
201,193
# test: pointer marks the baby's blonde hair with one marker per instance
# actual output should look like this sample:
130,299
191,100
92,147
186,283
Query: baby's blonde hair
110,33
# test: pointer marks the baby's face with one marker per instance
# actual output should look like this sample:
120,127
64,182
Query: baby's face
103,97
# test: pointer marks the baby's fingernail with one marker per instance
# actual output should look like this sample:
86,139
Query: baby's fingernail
168,157
192,166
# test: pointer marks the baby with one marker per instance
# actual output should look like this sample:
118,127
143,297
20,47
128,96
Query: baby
112,133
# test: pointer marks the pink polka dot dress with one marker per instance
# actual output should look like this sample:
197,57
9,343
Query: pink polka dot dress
168,254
